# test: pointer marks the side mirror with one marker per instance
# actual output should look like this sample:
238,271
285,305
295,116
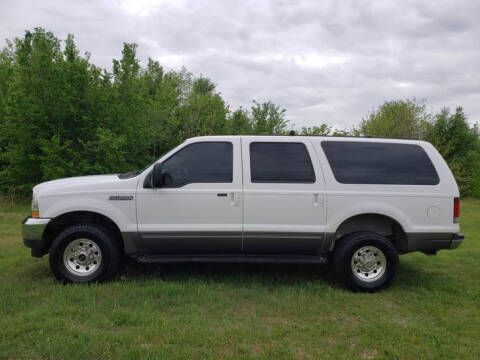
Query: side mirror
157,176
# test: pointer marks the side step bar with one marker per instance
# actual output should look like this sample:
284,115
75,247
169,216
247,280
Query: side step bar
256,259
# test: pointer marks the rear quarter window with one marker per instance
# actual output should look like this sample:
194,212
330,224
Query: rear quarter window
355,162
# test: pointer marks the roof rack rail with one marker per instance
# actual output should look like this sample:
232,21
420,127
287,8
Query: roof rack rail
293,133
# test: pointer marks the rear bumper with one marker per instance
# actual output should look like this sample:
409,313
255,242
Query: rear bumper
434,241
456,241
32,233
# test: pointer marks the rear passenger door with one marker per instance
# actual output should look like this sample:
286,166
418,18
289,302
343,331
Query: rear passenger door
284,192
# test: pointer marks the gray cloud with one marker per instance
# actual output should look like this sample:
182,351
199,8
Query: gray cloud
324,61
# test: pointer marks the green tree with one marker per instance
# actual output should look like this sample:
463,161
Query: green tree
459,145
7,60
268,118
129,116
204,112
322,130
239,123
163,99
34,104
401,119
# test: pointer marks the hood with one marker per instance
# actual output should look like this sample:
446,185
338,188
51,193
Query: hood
82,184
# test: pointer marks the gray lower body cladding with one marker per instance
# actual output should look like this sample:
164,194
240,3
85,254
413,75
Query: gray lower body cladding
263,242
225,242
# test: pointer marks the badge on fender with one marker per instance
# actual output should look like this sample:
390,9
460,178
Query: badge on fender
121,197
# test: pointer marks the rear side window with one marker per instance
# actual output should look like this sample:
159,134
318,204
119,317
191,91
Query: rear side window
379,163
280,162
203,162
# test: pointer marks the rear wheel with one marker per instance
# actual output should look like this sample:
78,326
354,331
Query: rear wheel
85,253
365,261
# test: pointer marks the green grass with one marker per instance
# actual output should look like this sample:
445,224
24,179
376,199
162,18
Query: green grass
206,311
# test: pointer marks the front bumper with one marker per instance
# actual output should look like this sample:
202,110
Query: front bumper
32,233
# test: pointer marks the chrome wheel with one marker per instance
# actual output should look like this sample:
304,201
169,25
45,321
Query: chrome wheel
82,257
368,263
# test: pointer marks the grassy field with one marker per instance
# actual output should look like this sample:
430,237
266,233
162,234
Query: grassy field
432,310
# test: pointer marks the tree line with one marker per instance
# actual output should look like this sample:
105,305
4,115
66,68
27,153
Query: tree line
61,115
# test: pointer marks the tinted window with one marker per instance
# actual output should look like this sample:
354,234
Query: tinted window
280,163
379,163
207,162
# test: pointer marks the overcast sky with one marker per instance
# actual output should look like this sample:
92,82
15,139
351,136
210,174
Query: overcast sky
323,61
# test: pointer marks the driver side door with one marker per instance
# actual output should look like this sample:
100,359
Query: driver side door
199,208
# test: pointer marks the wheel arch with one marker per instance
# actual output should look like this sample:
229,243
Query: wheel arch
63,221
376,222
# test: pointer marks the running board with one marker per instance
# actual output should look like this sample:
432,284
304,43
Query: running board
256,259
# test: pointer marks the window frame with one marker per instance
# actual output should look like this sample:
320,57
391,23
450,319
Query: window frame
335,176
309,158
197,182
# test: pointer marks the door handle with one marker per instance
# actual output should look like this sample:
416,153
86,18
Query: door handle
317,200
232,199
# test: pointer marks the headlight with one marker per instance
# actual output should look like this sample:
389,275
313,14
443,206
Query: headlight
35,210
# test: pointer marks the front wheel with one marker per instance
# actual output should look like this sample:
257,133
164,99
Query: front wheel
365,261
84,253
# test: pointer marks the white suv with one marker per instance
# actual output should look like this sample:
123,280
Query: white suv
283,199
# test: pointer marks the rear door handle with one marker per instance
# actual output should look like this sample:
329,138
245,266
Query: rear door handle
317,200
222,194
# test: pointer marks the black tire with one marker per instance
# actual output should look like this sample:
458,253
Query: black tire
111,257
345,250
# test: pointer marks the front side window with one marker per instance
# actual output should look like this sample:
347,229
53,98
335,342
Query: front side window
206,162
355,162
280,162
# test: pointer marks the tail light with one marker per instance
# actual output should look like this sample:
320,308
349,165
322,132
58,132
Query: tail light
456,209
